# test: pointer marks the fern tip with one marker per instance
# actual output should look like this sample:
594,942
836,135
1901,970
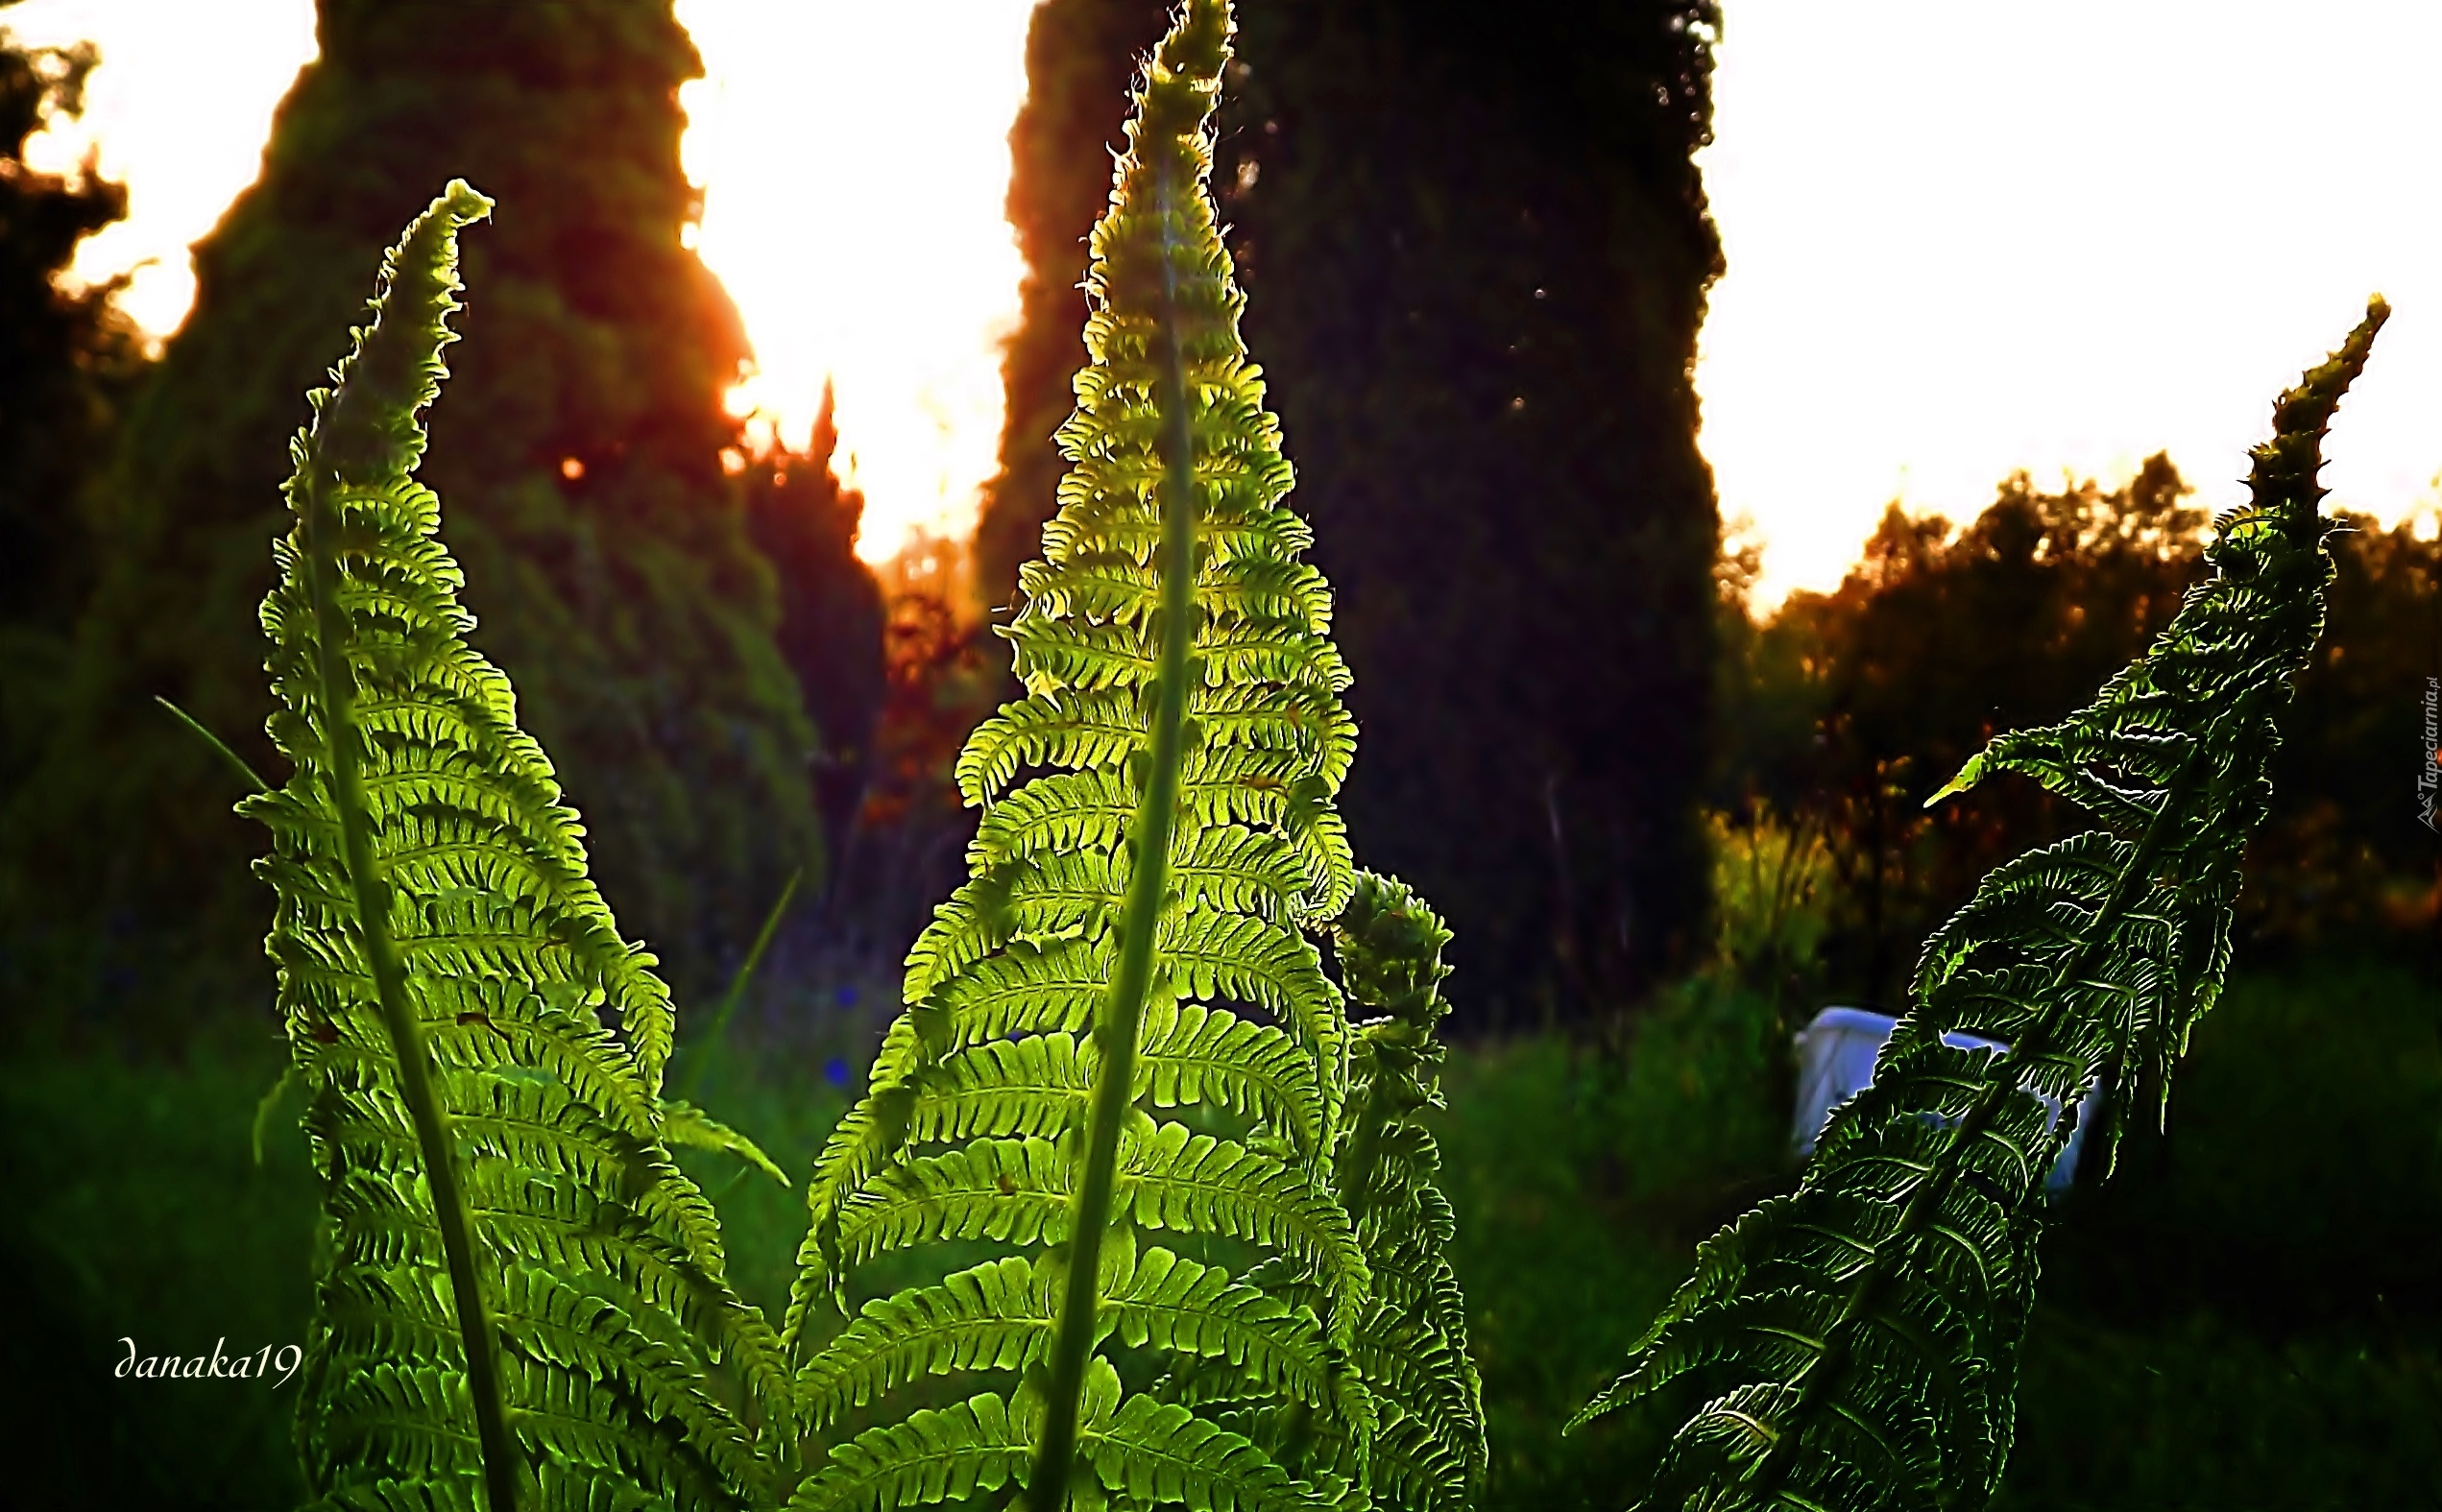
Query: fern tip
1967,778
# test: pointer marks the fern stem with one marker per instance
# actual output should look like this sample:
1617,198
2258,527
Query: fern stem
1156,816
390,986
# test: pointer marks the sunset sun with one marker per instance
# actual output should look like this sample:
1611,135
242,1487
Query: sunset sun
853,160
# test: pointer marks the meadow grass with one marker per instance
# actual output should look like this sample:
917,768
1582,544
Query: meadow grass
2246,1317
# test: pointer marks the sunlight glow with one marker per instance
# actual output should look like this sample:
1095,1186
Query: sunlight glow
178,111
854,158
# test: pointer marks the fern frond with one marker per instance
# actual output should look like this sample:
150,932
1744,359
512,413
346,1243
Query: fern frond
1013,1192
1195,1184
1200,1311
1268,966
1158,1453
1864,1328
998,1316
1192,1054
1120,1024
522,1290
993,1316
684,1123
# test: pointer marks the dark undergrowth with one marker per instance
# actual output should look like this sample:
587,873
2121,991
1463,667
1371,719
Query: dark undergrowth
2248,1315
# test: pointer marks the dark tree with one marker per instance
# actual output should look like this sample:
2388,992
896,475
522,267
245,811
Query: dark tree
831,611
2352,849
579,456
1847,708
1476,250
67,362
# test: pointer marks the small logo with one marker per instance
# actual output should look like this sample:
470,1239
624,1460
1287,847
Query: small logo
219,1365
2430,775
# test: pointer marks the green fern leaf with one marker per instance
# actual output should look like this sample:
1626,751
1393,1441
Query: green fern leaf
993,1316
1121,1023
1865,1327
521,1292
981,1445
684,1123
1158,1453
999,1316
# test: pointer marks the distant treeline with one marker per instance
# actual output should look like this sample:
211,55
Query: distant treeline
1842,712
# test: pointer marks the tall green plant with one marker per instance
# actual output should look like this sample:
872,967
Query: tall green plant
1867,1326
519,1289
1118,1028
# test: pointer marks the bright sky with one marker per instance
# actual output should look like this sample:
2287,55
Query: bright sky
1964,236
179,108
855,157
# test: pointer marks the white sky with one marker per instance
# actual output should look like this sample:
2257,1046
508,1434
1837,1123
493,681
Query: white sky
179,107
1967,236
1964,236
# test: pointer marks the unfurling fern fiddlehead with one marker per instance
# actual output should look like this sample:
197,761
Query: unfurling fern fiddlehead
1428,1447
522,1292
1118,1028
1871,1320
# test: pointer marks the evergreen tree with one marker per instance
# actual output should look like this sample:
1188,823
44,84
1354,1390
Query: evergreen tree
1477,250
67,360
606,552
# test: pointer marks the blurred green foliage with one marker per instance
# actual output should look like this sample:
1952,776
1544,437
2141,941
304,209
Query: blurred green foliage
1773,903
1583,1181
607,550
2248,1315
1476,250
139,1212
